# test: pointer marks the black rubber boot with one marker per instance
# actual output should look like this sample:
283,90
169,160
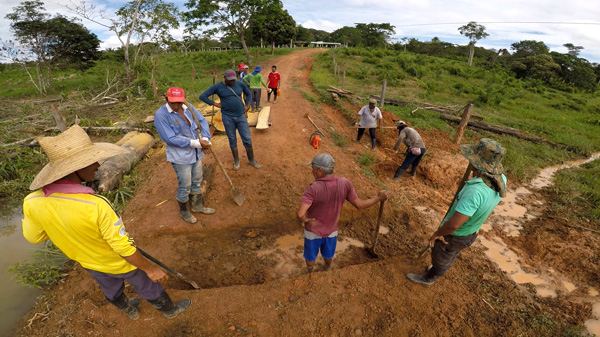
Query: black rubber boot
165,305
236,158
250,154
413,171
129,307
373,143
185,213
399,173
198,205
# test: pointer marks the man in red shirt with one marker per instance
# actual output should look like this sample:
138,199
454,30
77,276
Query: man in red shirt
321,207
273,83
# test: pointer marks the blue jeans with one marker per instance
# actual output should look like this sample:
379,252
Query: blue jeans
112,284
412,159
241,125
189,178
443,255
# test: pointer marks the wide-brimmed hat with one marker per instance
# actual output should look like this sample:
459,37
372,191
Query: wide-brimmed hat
485,156
70,151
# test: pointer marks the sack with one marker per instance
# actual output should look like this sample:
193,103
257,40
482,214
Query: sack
278,92
415,150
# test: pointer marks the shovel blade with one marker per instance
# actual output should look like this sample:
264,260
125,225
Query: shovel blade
237,196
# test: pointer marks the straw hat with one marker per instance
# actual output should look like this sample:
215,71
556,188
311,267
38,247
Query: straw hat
70,151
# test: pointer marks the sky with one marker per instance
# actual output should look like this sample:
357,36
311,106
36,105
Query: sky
555,22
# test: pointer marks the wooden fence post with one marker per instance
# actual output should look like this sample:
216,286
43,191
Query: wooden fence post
343,79
58,118
383,93
463,123
193,72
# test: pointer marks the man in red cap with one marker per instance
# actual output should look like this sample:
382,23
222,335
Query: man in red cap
178,128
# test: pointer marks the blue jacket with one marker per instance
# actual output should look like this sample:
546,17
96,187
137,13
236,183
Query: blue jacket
176,133
231,104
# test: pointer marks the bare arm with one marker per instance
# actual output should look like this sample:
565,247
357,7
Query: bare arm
154,273
454,223
302,214
362,204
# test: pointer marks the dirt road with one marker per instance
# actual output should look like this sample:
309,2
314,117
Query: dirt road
248,259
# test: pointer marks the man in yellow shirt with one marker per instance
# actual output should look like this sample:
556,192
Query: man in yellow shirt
85,227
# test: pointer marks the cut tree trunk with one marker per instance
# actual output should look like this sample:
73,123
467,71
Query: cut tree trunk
505,130
112,170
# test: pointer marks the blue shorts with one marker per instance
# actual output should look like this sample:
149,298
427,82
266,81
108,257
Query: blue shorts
325,245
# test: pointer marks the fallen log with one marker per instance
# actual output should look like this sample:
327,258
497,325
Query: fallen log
111,171
99,129
390,101
29,142
504,130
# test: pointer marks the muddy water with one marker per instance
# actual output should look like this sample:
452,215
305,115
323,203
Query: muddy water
15,300
509,216
288,250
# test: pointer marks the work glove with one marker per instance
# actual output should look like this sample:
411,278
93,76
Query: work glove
195,143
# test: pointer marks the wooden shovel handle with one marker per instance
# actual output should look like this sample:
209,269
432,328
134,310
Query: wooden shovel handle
221,166
376,235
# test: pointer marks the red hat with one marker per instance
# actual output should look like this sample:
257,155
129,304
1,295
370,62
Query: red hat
175,94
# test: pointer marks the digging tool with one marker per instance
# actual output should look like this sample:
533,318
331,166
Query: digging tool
371,250
313,123
151,258
464,179
236,194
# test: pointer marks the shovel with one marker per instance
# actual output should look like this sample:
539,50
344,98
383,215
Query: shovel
236,194
371,250
149,257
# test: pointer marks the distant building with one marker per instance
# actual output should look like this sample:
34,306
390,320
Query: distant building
321,44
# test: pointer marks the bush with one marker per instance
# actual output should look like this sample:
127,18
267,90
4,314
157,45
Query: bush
47,269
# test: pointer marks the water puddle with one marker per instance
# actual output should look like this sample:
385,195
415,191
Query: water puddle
288,250
15,299
509,216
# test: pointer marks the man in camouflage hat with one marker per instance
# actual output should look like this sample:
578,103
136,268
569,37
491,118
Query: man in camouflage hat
475,202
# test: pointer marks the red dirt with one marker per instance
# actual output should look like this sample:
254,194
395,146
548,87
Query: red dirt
242,292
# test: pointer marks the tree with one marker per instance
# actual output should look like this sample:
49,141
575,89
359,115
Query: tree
350,36
575,71
375,34
474,32
138,18
275,25
529,48
229,16
573,49
48,43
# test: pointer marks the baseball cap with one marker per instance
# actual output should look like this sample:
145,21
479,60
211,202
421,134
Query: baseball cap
373,101
246,67
230,74
323,160
175,94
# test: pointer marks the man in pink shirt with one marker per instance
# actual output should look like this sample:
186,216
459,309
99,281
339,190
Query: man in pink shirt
321,206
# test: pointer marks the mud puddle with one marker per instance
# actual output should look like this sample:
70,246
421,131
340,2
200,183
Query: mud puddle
15,299
288,249
510,216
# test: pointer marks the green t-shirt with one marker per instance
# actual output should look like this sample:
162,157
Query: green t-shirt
255,80
476,200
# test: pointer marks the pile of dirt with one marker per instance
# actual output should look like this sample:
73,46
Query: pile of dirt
234,255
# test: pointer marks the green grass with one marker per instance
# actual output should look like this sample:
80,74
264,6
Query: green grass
338,138
576,194
366,158
47,268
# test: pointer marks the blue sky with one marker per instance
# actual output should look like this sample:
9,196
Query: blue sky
507,21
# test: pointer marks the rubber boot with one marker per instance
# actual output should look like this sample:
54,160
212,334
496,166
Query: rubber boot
373,143
399,173
236,158
185,214
198,205
413,171
250,154
165,305
129,307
